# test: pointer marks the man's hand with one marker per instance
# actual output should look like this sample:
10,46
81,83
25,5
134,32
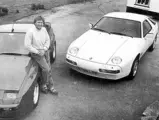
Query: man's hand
41,52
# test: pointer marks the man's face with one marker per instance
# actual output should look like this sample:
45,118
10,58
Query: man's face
39,24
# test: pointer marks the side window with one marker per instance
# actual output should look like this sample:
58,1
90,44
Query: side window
146,28
152,21
143,2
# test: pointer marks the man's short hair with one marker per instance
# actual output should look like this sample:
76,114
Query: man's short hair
39,18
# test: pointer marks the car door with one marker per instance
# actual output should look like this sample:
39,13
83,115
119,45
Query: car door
148,34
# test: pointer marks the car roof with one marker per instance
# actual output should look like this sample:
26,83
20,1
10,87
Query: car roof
6,28
18,26
21,27
127,15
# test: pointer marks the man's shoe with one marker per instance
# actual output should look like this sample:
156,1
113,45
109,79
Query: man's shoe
53,91
44,89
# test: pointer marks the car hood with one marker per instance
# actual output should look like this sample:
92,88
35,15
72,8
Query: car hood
12,71
100,47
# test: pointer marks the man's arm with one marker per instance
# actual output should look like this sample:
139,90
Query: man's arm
28,43
47,41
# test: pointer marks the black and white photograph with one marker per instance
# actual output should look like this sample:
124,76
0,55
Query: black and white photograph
79,60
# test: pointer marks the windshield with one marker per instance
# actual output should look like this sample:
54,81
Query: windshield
119,26
12,43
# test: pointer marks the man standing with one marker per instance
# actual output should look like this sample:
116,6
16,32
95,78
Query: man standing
52,40
37,41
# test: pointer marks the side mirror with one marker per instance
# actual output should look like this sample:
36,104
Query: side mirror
90,25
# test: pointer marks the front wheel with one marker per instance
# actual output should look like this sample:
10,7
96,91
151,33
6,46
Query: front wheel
35,94
134,69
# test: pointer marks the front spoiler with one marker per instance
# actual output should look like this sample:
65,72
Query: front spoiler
83,65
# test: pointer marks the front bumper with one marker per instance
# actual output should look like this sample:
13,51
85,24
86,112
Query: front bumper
8,111
6,104
8,108
93,68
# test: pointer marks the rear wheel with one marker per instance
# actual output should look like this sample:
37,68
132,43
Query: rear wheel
134,69
152,47
53,54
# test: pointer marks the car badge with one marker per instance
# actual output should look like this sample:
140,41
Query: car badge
90,58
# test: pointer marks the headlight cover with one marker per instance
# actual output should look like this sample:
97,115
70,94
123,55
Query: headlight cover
10,95
112,69
73,51
116,60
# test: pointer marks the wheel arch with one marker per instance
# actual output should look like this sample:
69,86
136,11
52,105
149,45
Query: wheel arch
138,56
131,75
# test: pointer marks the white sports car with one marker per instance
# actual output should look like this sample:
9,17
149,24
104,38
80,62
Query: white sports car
113,47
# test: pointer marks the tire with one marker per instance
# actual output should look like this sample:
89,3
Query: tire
152,47
53,54
35,94
134,69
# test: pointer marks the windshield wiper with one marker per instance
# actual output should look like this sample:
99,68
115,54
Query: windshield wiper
117,33
16,54
101,30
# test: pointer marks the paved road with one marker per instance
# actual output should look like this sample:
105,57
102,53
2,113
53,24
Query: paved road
86,98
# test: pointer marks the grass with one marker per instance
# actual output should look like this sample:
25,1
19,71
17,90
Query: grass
24,7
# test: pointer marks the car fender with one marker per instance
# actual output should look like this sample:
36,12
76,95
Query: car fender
128,52
31,76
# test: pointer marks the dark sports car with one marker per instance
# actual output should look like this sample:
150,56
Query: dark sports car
19,75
